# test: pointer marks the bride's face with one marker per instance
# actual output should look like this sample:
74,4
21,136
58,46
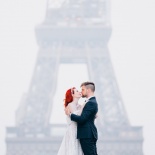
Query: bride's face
76,94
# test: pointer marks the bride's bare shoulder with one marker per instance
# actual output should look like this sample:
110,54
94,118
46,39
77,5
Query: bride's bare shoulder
70,105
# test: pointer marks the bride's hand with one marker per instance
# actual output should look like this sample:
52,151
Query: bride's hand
96,115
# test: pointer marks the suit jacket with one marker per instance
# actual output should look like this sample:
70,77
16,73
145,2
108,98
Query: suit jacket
85,123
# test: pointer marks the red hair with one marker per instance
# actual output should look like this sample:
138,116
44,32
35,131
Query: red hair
68,96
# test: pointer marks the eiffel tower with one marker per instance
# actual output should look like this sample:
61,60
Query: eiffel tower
73,32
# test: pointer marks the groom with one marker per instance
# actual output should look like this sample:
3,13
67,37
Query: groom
86,129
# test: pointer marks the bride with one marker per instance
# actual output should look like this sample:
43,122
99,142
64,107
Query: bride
70,144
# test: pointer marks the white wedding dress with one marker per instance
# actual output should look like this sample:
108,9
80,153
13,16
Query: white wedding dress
70,144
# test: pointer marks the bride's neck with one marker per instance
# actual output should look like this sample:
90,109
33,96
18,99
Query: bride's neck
75,100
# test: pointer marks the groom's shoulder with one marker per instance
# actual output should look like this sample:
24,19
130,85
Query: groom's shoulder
92,99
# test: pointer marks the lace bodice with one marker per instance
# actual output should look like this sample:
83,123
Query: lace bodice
77,109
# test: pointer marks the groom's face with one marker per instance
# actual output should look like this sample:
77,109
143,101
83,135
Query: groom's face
84,91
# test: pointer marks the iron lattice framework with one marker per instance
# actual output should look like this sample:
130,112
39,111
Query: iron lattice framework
73,32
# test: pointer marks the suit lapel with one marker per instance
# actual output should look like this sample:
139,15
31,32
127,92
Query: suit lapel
92,98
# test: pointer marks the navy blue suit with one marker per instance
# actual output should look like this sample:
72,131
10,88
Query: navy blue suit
86,129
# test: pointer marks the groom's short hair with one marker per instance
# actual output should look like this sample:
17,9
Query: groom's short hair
89,85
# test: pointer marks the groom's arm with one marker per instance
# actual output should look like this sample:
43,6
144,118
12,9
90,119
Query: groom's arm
89,110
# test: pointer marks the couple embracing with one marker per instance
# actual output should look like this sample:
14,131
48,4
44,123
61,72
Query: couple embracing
81,135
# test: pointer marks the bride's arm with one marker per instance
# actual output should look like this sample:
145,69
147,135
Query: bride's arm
68,109
67,112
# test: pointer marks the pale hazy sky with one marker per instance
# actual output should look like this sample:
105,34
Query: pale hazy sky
132,50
